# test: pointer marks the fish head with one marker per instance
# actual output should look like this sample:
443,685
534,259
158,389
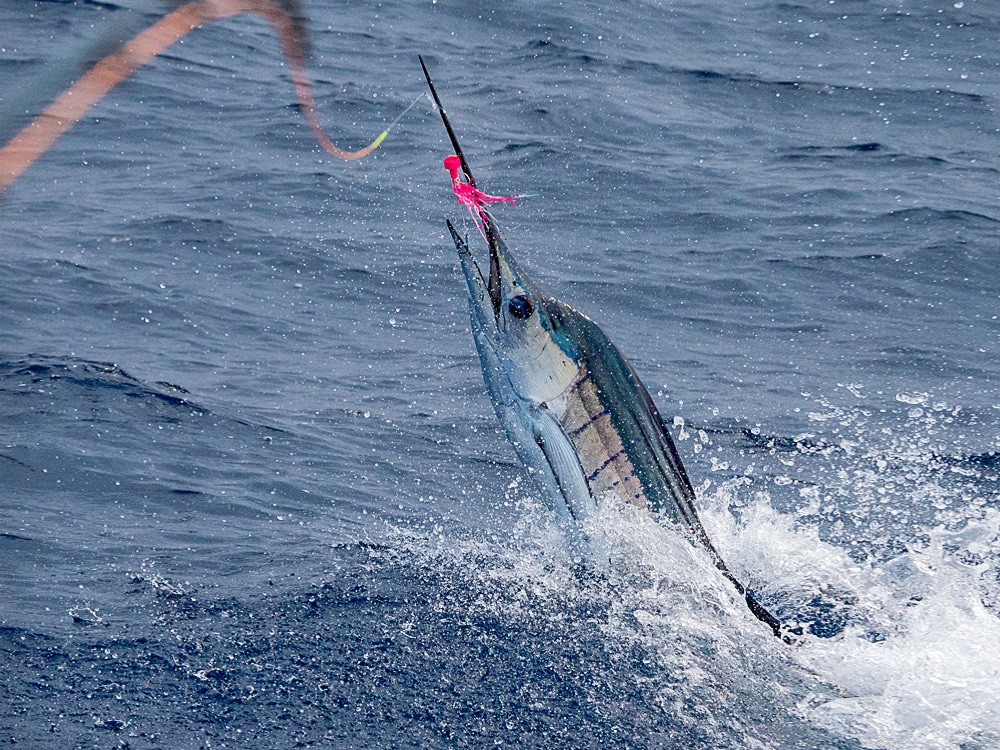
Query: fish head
509,315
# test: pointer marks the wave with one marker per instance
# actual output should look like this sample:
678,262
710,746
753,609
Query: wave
50,372
928,215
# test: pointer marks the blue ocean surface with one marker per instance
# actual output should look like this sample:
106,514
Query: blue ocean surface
252,489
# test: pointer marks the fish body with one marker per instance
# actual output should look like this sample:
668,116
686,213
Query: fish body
574,408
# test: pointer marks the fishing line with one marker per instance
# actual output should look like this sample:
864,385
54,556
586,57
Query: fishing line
70,106
399,117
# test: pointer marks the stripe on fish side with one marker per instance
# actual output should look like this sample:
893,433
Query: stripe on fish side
622,481
584,408
583,405
606,464
597,443
627,480
590,422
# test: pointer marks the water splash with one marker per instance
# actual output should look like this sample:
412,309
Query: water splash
933,679
904,594
900,645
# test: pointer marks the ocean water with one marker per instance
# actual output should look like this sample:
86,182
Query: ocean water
252,490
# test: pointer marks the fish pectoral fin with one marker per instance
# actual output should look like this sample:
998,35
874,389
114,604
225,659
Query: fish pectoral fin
563,462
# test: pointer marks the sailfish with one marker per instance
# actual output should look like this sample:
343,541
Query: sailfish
572,405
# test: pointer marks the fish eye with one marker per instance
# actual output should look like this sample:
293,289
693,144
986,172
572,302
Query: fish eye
521,307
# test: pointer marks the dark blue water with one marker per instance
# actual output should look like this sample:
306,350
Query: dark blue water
253,494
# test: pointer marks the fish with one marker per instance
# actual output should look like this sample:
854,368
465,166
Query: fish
572,405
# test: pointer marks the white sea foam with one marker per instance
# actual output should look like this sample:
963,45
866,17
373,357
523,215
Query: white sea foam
930,678
934,682
915,664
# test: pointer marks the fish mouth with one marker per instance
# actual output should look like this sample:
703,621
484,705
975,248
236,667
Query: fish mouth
485,306
493,284
490,287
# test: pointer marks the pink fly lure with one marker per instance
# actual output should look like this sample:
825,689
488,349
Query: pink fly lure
472,197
